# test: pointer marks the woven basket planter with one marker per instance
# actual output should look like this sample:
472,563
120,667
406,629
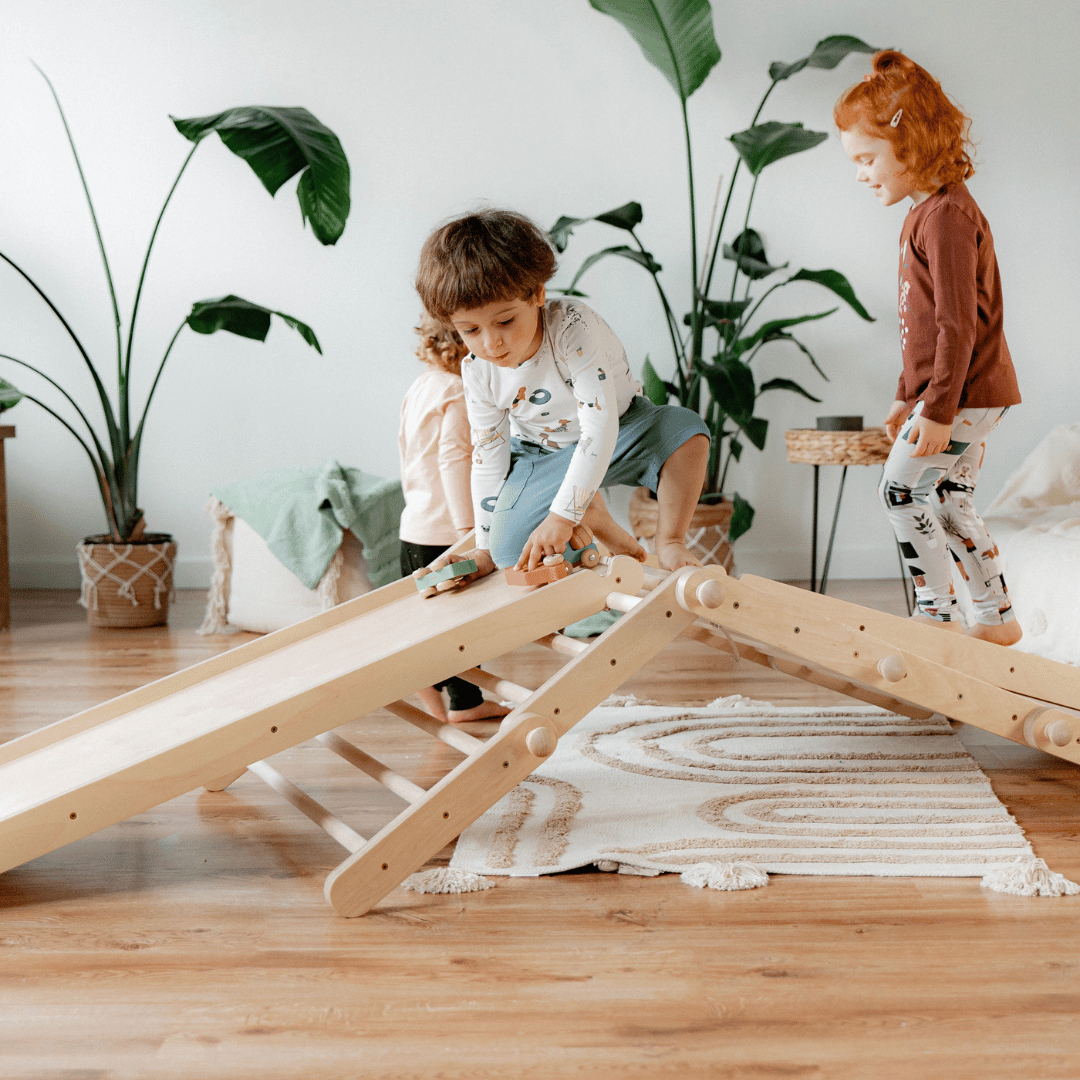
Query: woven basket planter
127,585
808,446
707,536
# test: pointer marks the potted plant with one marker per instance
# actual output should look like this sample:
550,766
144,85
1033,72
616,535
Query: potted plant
127,572
717,339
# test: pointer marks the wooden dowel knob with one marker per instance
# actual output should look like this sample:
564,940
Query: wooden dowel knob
1059,732
541,742
892,668
710,594
552,560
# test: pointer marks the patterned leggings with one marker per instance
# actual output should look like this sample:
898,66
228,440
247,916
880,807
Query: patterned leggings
929,503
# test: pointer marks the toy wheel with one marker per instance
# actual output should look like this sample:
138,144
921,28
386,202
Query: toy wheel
590,557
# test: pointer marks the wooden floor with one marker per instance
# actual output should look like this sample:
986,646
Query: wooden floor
194,940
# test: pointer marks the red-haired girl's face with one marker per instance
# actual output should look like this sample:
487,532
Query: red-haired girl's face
877,165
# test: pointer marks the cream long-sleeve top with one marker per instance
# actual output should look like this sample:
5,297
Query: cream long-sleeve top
435,452
571,391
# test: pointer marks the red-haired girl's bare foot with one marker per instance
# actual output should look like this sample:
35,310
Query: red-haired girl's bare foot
674,556
486,710
1001,634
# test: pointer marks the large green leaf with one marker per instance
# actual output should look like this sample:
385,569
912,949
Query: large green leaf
279,143
625,217
837,283
827,54
763,144
9,395
786,384
642,258
656,390
748,250
768,331
731,383
676,36
741,519
243,318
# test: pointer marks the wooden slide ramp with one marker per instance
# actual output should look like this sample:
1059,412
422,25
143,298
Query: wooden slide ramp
207,725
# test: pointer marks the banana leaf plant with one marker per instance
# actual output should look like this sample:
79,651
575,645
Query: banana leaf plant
717,340
277,143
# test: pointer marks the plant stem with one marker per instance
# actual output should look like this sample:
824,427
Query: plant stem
153,387
93,218
106,405
746,225
124,418
99,473
89,427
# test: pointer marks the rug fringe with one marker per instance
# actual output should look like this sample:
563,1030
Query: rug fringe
445,879
727,876
1029,876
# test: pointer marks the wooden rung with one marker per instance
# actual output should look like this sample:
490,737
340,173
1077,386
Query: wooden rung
386,776
622,602
560,643
500,688
348,838
452,736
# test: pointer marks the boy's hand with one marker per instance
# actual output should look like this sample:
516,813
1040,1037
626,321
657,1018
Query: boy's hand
894,421
485,565
550,537
932,437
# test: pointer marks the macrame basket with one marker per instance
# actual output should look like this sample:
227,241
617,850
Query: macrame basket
127,585
707,537
808,446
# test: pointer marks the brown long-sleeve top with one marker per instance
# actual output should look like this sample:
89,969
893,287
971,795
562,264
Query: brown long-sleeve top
951,334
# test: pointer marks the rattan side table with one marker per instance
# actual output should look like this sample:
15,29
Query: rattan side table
808,446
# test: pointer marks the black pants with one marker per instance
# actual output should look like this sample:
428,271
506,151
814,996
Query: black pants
463,695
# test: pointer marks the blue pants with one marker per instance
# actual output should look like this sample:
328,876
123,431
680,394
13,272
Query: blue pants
648,435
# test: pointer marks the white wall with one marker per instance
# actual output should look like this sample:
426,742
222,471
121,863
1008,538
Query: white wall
442,106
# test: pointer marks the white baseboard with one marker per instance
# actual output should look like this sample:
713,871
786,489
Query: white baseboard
62,572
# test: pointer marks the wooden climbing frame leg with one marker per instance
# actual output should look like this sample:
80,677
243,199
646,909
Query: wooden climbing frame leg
527,736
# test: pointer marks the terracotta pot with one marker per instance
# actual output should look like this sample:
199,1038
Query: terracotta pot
707,536
129,584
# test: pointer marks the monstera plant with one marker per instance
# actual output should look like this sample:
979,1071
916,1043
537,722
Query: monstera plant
277,143
722,330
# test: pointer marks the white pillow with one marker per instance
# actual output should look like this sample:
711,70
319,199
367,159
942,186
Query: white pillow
252,590
1048,476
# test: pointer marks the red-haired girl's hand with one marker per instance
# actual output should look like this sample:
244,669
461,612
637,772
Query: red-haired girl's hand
895,419
929,436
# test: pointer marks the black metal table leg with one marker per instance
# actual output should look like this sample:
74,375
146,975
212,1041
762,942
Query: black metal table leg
832,534
813,536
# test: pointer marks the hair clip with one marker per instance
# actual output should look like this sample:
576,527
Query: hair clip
895,121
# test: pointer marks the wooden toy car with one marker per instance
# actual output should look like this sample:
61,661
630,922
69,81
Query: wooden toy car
553,568
429,582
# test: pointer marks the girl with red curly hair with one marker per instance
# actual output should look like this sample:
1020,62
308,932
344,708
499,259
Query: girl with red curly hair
909,141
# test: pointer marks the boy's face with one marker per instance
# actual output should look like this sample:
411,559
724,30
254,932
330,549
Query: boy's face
505,333
876,164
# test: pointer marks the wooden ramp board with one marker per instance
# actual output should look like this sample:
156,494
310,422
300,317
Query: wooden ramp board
206,724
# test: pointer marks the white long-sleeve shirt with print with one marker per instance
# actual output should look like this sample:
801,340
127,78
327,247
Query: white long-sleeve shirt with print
572,390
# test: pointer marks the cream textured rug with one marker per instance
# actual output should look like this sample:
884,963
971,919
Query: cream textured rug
730,792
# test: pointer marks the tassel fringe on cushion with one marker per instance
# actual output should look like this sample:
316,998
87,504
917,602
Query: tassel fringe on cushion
727,876
444,879
1029,876
216,620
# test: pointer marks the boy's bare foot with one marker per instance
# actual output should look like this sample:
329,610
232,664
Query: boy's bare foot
953,627
609,532
674,556
1001,634
432,702
486,710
